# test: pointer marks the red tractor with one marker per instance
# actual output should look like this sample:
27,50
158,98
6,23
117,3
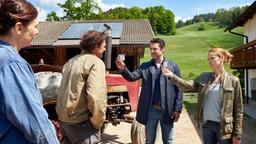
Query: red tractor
59,41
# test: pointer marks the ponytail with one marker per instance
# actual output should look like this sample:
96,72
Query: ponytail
226,55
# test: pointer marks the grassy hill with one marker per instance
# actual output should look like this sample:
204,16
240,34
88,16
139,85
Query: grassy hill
189,47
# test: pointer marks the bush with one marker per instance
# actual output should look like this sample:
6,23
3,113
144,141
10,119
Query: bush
201,27
191,75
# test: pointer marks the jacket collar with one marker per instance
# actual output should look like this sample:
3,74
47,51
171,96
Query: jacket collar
222,77
212,76
152,65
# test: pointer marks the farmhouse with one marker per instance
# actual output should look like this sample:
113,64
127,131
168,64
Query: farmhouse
245,55
58,41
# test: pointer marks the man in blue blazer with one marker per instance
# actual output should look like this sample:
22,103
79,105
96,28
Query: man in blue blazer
160,100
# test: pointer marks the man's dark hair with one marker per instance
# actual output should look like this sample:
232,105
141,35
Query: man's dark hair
159,41
92,39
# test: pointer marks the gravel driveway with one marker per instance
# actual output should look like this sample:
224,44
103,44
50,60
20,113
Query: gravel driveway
184,132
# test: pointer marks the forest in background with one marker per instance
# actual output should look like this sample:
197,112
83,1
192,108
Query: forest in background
161,19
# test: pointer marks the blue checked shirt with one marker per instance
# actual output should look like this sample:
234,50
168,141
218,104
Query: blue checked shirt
22,116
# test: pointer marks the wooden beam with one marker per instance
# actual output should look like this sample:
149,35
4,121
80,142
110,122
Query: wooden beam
60,56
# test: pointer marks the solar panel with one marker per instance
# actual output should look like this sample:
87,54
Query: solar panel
76,30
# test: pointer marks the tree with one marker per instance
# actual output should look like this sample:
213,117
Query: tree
179,24
223,16
117,13
161,20
137,13
52,16
80,9
201,19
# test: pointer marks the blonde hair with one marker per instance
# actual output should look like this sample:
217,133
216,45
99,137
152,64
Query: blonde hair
226,55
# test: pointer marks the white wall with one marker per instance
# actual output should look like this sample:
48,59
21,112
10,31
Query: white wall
250,31
250,28
252,81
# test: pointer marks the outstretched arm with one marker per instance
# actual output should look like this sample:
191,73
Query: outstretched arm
129,76
186,86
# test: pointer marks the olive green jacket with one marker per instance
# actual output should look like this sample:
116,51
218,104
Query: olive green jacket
83,91
231,100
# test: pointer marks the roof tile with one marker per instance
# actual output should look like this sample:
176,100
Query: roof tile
134,31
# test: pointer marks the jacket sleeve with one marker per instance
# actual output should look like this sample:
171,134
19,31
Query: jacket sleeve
185,86
97,94
178,93
238,110
131,76
191,85
22,104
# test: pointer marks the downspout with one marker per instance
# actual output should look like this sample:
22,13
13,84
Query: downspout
246,37
246,70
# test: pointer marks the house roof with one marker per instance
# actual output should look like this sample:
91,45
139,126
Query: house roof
135,32
241,20
49,32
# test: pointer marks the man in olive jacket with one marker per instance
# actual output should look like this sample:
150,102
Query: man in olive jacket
160,100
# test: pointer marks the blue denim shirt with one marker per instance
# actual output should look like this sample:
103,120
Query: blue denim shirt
22,116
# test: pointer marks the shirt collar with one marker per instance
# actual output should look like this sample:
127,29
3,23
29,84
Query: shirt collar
153,61
7,46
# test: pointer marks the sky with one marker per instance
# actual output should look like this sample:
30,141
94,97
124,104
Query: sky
182,9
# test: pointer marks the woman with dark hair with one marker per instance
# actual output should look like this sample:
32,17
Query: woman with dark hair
23,119
220,100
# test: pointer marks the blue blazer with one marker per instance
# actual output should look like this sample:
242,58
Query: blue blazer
171,96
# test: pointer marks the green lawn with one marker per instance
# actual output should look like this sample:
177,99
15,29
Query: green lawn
189,47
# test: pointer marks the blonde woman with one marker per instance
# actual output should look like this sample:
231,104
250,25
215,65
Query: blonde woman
220,105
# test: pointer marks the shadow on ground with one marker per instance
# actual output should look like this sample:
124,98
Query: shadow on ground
111,139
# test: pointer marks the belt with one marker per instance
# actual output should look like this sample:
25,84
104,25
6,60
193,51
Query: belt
156,106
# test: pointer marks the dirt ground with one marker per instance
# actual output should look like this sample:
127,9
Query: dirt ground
185,131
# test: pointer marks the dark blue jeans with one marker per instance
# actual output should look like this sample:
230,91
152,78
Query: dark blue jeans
79,133
167,129
211,133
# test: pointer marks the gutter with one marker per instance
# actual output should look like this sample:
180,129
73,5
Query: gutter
246,70
246,37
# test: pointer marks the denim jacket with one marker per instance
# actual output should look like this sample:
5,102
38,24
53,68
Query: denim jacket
231,100
22,116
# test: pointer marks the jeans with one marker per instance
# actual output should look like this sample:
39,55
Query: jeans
211,133
79,133
167,129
